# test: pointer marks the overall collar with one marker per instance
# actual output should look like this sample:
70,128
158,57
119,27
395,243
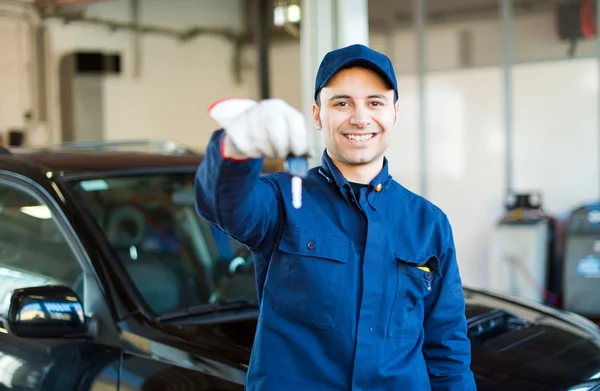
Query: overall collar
333,175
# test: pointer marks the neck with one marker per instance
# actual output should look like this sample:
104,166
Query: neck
360,173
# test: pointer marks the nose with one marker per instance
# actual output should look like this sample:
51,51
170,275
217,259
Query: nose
360,118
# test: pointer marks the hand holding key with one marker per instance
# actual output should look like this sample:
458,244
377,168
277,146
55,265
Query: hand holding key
270,128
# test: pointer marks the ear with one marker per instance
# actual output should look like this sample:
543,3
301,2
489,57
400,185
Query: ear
396,110
316,118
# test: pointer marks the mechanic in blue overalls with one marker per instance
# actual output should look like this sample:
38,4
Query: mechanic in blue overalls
359,288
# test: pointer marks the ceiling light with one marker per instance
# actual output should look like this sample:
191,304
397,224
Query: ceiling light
284,14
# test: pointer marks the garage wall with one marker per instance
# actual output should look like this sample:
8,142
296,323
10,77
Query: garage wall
200,71
16,66
178,80
555,146
556,124
465,125
478,43
449,46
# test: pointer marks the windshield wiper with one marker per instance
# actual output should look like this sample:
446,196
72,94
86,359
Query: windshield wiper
211,308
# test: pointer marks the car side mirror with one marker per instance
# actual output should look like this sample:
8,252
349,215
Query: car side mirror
45,312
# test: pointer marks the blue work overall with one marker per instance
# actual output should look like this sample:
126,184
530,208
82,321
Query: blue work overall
356,293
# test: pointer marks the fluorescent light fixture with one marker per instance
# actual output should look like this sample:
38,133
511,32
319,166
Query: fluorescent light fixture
293,13
286,14
279,16
37,211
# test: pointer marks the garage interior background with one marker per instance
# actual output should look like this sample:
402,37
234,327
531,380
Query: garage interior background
505,104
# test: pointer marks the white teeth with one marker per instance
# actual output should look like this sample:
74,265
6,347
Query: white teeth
364,137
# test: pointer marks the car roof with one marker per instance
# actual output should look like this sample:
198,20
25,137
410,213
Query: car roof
96,158
90,158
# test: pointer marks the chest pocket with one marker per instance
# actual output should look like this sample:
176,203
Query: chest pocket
308,273
416,276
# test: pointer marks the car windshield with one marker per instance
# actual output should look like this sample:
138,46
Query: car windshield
176,259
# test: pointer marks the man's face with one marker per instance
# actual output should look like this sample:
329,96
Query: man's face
356,115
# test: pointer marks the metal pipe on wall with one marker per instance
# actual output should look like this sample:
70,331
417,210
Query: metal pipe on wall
506,10
420,13
136,38
42,77
34,87
262,26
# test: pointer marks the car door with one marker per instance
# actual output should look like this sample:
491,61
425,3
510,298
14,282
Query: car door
38,248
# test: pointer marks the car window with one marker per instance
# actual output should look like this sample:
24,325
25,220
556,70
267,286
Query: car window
33,249
175,259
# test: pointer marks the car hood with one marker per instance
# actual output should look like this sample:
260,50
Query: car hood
520,345
515,344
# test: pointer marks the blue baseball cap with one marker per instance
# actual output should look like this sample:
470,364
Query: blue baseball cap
355,55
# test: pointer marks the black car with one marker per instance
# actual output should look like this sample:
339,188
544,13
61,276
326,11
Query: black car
109,280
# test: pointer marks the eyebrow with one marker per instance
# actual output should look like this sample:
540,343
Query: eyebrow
376,96
337,97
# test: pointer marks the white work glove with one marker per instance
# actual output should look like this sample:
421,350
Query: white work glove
270,128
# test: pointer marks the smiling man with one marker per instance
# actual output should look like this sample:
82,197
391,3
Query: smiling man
360,288
356,110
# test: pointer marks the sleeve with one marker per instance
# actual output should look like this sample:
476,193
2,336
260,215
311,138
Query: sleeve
232,195
446,347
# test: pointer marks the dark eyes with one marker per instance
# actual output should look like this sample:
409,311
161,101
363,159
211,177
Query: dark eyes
345,104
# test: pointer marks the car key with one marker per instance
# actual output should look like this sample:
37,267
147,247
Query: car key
297,167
